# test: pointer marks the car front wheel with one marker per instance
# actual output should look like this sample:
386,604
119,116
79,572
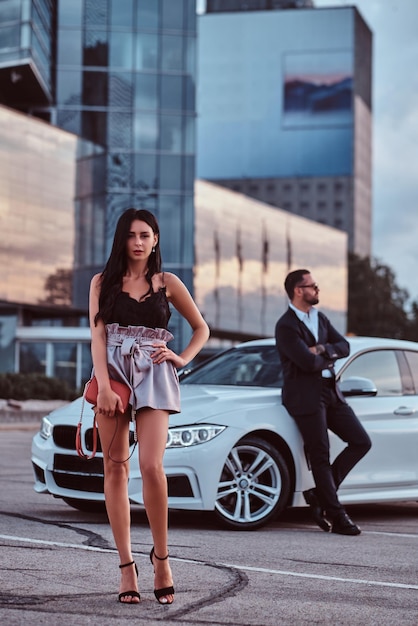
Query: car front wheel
254,486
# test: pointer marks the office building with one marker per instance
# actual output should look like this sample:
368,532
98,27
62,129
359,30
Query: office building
285,109
244,250
120,74
41,167
99,114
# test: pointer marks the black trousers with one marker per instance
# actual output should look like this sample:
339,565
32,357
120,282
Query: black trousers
335,415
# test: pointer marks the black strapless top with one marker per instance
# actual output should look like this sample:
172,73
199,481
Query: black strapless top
152,312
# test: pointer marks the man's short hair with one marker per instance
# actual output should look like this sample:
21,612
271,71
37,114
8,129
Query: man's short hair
292,280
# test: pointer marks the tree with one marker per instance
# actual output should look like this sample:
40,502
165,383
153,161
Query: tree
413,323
58,288
376,305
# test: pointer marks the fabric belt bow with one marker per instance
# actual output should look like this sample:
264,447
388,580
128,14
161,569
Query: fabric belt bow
140,353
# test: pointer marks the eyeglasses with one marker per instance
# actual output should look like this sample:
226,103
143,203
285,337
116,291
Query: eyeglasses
312,286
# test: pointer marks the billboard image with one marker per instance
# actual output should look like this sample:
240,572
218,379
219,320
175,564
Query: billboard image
318,89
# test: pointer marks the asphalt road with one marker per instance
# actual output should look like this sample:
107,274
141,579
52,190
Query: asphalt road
58,565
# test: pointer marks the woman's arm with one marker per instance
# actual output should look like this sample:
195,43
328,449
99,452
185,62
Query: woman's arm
107,400
179,296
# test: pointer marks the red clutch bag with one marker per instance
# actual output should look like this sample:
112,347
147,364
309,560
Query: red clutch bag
91,390
90,395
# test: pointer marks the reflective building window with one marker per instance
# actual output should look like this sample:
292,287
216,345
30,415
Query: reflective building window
171,92
146,171
172,52
146,132
122,13
121,49
173,14
147,15
96,49
146,52
171,133
32,358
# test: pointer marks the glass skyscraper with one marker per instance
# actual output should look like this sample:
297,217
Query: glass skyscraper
285,109
121,74
27,49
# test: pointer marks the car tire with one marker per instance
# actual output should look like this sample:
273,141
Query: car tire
254,486
88,506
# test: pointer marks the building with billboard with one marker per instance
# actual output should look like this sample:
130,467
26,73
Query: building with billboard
285,109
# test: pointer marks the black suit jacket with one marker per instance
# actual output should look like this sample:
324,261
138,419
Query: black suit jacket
302,370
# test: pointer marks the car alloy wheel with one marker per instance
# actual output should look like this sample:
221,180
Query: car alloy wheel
254,486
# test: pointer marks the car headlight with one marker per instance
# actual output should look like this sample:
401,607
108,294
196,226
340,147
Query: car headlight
46,428
187,436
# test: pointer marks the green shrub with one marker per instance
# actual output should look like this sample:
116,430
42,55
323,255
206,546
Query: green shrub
34,387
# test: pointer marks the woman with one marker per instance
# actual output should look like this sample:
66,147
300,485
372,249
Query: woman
129,313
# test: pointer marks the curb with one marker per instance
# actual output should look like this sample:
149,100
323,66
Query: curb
20,426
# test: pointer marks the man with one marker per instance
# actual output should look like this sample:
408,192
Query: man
308,346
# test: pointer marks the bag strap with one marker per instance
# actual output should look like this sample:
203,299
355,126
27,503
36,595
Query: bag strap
78,442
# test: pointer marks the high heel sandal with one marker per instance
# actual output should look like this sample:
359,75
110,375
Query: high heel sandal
132,593
165,591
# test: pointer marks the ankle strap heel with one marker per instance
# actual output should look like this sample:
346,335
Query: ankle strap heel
165,591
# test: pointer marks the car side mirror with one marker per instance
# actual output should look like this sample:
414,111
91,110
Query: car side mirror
357,386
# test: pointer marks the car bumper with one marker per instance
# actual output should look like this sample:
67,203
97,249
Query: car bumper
192,474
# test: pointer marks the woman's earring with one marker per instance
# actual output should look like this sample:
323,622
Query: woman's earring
153,249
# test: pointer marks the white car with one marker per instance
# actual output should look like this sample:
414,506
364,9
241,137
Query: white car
235,450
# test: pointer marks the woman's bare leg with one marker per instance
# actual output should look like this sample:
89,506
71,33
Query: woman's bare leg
152,435
114,438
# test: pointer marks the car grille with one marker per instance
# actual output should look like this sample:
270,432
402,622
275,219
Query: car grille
72,472
64,437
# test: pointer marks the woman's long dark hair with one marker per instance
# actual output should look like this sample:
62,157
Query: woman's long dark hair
111,279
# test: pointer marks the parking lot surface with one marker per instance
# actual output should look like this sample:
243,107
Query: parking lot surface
59,566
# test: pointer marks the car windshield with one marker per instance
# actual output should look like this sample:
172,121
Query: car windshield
255,366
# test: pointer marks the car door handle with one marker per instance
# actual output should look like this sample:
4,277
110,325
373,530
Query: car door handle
404,410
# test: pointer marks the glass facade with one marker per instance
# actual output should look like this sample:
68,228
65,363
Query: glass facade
120,74
126,74
244,251
27,48
42,169
283,97
63,353
275,87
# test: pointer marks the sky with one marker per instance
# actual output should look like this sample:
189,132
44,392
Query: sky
395,133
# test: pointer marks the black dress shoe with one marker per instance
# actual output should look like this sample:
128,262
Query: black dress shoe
316,510
343,525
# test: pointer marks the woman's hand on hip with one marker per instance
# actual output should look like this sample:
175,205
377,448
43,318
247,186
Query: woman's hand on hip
162,353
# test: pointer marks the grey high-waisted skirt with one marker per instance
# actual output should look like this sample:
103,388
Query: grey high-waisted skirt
129,361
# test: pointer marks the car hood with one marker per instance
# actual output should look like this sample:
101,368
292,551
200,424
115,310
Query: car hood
200,403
